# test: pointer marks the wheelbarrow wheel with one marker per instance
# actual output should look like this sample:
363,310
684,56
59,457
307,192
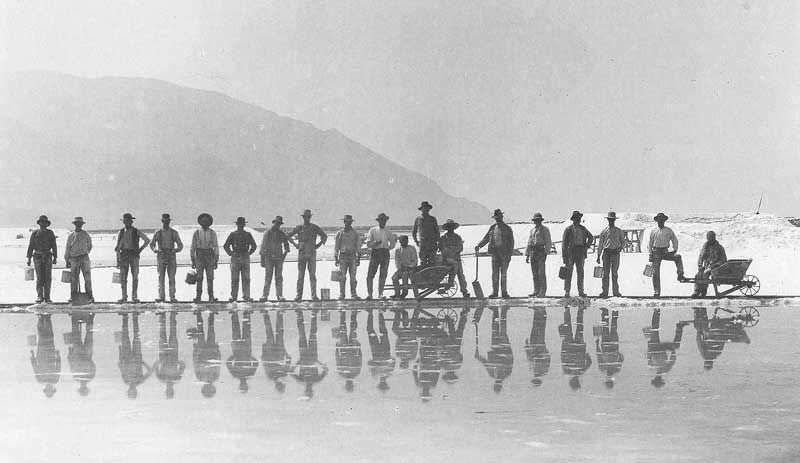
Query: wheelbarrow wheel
749,316
448,290
444,314
752,285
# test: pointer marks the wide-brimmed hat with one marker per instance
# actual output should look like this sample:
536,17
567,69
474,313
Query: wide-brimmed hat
537,216
128,216
165,217
497,213
347,218
612,215
240,220
660,215
575,215
205,216
306,213
425,205
382,216
278,219
450,225
43,219
78,219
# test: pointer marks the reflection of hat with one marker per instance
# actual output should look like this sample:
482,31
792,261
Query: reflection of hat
43,219
205,216
278,219
78,219
382,216
661,216
165,217
49,390
347,218
537,216
575,215
128,216
306,213
240,220
612,215
497,213
425,205
450,225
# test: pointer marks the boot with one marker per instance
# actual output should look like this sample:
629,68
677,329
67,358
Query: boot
211,297
135,290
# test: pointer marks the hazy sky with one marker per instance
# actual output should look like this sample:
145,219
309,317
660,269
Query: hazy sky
524,105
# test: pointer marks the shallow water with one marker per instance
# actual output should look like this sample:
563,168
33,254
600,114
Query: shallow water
510,383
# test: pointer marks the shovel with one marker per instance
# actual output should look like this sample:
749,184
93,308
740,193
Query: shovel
476,285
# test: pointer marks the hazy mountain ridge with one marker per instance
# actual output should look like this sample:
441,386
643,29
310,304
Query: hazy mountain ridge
104,146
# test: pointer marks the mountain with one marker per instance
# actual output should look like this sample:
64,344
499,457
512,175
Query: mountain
99,147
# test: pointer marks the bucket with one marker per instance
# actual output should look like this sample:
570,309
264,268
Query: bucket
115,278
191,277
648,270
563,271
337,275
66,276
598,271
29,274
325,294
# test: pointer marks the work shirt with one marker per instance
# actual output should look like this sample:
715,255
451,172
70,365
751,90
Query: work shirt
577,236
612,238
240,243
307,238
380,235
405,257
42,242
451,246
711,255
500,238
79,243
539,237
167,240
661,238
205,239
275,244
348,243
425,229
128,239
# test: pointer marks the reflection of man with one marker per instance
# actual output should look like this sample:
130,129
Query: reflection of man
47,361
427,368
609,358
452,357
535,348
349,357
277,362
712,255
308,369
574,358
169,367
133,369
406,344
382,363
81,364
241,364
661,356
499,359
712,334
206,356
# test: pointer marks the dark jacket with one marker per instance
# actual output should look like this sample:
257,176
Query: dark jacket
506,247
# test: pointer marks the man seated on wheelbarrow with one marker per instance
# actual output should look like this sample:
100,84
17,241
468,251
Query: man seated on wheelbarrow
712,255
406,260
451,246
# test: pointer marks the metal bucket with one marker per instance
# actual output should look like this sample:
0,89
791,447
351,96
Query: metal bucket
325,294
337,275
115,278
598,271
29,274
66,276
648,270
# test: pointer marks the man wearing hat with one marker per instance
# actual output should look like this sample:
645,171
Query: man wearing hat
42,248
240,245
574,243
712,255
452,245
405,260
380,240
539,245
205,255
346,257
609,246
274,248
307,246
426,234
76,254
128,251
500,238
660,239
166,244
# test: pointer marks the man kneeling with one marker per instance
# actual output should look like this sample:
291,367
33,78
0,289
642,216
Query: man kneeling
712,255
405,259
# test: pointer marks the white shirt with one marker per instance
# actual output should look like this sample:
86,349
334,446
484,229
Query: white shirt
377,234
662,237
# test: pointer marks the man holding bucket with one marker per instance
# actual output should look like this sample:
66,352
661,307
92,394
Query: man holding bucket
169,243
76,255
42,249
205,255
345,254
128,251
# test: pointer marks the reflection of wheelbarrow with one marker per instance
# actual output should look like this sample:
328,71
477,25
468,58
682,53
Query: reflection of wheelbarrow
442,316
427,280
732,273
747,316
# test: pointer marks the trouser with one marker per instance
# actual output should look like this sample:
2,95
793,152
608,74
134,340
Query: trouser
204,263
656,257
500,264
403,274
273,267
129,262
378,259
611,266
80,264
307,261
43,264
701,289
348,266
167,265
538,260
427,252
456,268
240,266
575,257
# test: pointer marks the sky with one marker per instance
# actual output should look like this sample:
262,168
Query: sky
522,105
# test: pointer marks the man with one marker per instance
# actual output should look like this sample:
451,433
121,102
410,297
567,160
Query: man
166,244
712,255
382,364
380,241
499,359
240,245
132,367
308,369
405,260
345,255
307,246
609,358
574,243
452,245
169,367
536,348
81,349
205,255
660,239
277,362
42,248
575,361
46,362
206,356
539,245
500,238
426,234
274,248
241,364
128,251
611,243
76,254
661,356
